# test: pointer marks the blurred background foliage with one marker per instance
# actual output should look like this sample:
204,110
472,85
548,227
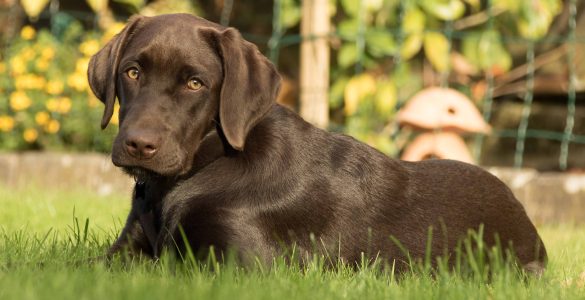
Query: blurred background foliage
383,51
401,40
47,103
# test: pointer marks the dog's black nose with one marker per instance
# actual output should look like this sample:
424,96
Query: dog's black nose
142,144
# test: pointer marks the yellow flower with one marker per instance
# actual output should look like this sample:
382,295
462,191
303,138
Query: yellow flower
2,67
17,65
19,100
30,135
115,119
53,126
89,47
27,32
28,54
54,87
48,53
29,81
82,65
64,105
77,81
113,30
42,118
42,64
6,123
52,105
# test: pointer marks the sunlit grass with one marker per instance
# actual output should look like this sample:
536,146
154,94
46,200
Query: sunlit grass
45,248
38,210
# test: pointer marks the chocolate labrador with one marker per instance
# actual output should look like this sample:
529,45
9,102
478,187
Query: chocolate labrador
219,163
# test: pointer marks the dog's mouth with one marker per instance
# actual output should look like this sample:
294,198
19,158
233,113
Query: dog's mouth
141,174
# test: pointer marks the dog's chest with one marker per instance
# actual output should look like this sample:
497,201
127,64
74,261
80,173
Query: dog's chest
208,220
249,217
205,220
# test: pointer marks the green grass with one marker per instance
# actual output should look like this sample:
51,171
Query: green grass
44,248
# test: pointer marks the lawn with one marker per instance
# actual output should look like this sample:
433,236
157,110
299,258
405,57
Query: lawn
47,236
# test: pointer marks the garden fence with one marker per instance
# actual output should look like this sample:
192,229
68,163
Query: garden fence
569,40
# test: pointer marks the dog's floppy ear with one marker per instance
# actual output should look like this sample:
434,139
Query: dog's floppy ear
250,85
103,69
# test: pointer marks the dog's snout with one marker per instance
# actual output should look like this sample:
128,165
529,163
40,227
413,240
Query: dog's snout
142,144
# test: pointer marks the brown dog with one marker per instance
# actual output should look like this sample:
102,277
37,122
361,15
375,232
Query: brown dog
217,159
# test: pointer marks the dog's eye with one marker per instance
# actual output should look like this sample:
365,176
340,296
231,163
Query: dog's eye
133,73
194,84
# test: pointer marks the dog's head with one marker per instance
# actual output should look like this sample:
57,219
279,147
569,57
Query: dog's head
176,77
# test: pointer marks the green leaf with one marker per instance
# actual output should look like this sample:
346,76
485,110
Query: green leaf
336,92
290,13
351,7
411,45
492,53
509,5
356,90
134,5
98,6
370,63
407,81
386,97
348,29
380,43
446,10
347,55
469,48
437,50
413,21
536,17
486,51
372,5
533,27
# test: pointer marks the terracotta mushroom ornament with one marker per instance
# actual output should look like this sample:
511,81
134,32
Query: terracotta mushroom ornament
444,114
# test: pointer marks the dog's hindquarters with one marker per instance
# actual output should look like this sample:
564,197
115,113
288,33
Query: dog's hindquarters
465,197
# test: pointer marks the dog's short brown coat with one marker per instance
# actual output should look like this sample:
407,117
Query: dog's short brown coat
234,170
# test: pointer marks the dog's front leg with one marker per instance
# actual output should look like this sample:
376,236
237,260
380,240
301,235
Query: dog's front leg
133,240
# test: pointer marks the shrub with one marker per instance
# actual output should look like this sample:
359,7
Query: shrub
45,99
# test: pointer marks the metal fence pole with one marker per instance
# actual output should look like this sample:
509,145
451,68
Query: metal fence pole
526,108
572,93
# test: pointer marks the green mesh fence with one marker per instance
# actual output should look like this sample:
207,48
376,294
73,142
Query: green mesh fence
524,130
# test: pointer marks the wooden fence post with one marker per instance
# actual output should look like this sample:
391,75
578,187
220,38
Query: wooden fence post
314,77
